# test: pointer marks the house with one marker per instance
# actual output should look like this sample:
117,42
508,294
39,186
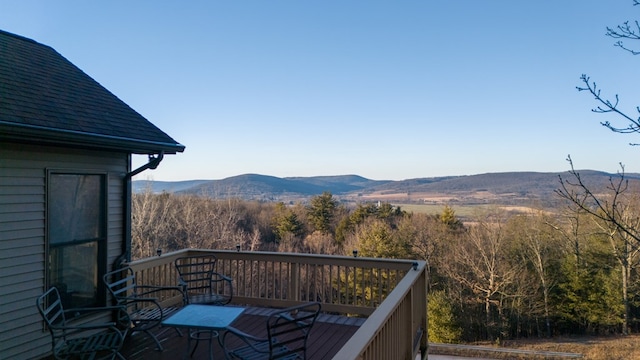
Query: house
66,145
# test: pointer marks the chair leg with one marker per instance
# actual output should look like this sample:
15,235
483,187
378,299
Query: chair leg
155,339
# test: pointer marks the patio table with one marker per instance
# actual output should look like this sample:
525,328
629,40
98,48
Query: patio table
203,319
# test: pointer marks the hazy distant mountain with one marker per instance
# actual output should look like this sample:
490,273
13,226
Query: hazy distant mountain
500,183
164,186
341,184
254,186
508,187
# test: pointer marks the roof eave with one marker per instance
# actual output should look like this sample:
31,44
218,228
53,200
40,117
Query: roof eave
40,135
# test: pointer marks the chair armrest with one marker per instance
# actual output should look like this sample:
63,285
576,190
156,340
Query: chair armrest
90,326
158,288
233,331
79,330
71,325
248,339
217,278
220,277
185,288
129,302
94,309
150,289
75,312
133,299
288,317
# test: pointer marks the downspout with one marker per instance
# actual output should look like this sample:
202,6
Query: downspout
153,163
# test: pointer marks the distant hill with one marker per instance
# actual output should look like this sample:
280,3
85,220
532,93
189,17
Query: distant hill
262,187
254,186
139,186
501,188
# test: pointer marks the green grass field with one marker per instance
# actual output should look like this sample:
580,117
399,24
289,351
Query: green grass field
463,211
421,209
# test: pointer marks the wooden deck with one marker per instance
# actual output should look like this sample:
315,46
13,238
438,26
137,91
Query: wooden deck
328,335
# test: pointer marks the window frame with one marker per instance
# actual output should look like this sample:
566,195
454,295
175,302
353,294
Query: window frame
101,240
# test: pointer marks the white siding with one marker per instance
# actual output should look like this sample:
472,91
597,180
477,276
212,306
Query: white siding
23,171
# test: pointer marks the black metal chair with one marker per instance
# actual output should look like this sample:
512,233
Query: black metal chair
71,338
201,283
287,334
142,302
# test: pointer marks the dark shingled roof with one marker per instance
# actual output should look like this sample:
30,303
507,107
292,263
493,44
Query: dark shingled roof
46,99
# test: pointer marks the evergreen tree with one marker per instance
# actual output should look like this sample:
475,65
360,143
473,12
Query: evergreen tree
286,223
443,327
448,217
321,212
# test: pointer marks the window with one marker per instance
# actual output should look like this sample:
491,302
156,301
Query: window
77,237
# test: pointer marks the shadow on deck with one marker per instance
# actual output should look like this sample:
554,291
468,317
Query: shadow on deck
328,335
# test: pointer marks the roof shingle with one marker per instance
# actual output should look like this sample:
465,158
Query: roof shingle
44,97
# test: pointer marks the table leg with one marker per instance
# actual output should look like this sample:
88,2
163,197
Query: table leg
197,335
211,345
186,355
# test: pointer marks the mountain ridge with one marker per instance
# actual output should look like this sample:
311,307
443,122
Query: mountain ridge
503,187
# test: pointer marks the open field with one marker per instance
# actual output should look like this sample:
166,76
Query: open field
591,347
462,211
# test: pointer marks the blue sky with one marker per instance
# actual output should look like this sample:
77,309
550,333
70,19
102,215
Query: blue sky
383,89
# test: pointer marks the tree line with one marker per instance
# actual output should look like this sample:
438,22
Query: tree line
500,275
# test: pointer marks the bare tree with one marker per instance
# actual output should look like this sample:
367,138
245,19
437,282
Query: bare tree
429,236
538,248
320,243
149,223
481,264
172,222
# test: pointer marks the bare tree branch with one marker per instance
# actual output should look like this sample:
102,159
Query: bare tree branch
607,106
606,208
625,31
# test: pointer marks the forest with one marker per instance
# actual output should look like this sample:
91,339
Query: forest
499,275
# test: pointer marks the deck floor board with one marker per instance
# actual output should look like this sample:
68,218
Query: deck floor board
328,336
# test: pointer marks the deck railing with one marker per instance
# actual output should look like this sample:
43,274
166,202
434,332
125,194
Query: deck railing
390,293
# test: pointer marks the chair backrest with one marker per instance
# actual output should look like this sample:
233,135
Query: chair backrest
86,340
50,307
290,327
196,272
121,283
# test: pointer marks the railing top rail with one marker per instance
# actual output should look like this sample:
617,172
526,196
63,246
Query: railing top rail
300,258
151,262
